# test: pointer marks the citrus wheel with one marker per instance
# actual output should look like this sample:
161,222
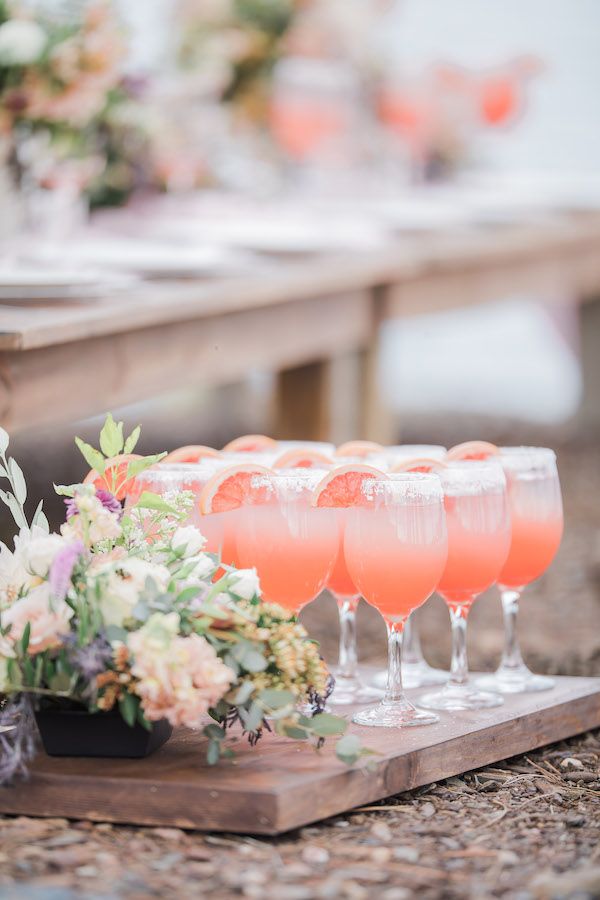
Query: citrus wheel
342,487
419,464
190,454
115,476
229,488
358,448
472,450
250,443
302,458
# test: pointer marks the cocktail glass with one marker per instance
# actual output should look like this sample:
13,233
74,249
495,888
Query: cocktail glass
395,547
537,525
291,543
478,525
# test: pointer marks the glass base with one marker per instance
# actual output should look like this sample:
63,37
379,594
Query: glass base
414,675
352,690
394,715
466,696
517,681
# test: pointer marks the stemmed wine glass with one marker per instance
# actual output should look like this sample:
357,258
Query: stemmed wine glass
395,547
537,525
291,543
349,688
416,671
478,525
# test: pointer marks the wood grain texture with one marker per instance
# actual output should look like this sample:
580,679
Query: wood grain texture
281,784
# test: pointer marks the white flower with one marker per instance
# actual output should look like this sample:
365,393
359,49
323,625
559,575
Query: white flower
39,553
93,524
21,42
247,584
204,565
123,581
15,572
187,540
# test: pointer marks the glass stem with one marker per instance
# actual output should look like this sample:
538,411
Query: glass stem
348,655
511,655
459,667
394,692
411,642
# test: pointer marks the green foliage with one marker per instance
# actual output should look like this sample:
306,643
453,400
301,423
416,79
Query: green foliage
15,498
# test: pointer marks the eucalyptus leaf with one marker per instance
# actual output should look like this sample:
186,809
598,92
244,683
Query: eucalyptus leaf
114,633
93,457
214,732
252,718
244,693
213,753
16,510
324,724
4,439
349,749
39,518
295,732
274,699
18,480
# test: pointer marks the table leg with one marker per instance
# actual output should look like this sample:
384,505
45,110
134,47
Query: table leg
302,402
589,411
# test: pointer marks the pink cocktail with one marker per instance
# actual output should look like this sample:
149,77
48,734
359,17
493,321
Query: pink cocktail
537,525
291,543
478,525
396,547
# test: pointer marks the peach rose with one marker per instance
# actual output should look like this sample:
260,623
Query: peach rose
48,620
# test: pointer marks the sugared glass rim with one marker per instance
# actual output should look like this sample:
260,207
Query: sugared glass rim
472,476
411,487
522,459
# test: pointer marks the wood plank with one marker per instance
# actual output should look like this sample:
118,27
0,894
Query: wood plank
303,402
569,242
281,785
103,373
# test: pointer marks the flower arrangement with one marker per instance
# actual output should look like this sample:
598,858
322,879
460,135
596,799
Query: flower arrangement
232,46
124,610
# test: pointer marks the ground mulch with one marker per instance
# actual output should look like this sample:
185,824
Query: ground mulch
525,828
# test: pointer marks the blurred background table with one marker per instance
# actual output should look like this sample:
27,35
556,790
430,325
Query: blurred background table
300,317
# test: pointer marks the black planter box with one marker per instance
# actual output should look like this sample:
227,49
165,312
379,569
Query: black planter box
77,732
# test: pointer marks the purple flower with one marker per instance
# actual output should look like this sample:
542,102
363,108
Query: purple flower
92,659
18,744
62,567
108,501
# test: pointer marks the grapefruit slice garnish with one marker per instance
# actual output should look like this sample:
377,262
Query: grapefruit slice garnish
250,443
342,487
190,454
419,464
472,450
115,476
229,488
302,458
358,448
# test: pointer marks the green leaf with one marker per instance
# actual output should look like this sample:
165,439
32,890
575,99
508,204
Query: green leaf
349,749
252,718
131,442
15,508
244,693
128,706
111,437
18,481
141,718
65,490
137,466
24,642
93,457
39,518
214,732
274,699
295,732
213,753
60,683
148,500
324,724
4,439
249,657
115,633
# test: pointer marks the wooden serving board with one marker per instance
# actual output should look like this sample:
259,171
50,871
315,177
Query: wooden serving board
282,784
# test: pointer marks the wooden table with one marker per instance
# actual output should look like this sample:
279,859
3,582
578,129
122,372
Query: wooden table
295,317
